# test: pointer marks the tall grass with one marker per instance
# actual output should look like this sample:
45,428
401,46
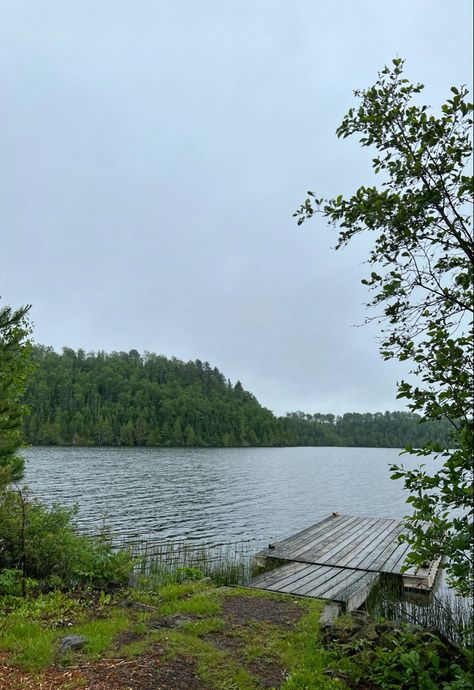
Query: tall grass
445,612
161,561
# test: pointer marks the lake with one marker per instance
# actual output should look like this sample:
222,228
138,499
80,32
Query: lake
216,494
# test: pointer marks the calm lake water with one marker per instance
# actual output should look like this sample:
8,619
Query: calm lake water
217,495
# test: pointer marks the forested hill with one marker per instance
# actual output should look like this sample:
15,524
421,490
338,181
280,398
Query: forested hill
127,399
150,400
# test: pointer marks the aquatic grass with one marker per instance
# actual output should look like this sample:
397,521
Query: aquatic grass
159,562
445,612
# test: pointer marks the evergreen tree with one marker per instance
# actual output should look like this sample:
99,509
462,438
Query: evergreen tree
127,399
15,366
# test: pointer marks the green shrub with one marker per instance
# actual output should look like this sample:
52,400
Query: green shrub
101,566
37,540
40,542
188,573
406,658
10,582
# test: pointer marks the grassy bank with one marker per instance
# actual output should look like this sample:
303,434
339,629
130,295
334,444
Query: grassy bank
186,635
192,634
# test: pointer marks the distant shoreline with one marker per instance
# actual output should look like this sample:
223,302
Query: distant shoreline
109,447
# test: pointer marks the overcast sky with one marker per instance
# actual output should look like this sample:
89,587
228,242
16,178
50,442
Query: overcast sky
152,155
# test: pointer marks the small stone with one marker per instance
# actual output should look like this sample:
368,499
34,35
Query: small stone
71,643
138,606
178,621
329,614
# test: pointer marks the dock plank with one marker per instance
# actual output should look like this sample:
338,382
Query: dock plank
278,574
339,559
357,593
351,542
293,544
373,558
335,590
320,579
320,546
301,535
350,556
334,583
289,582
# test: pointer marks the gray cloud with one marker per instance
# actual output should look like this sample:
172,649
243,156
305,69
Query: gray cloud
152,156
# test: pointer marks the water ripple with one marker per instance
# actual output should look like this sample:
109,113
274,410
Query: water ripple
215,494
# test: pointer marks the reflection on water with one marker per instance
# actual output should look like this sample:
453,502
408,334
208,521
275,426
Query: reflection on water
216,494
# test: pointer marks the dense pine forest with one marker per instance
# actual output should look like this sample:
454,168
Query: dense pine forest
128,399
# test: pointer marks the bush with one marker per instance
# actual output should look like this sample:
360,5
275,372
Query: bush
101,566
41,543
387,656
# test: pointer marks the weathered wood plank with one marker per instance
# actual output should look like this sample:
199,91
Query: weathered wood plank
382,560
322,540
335,583
299,536
350,543
292,545
333,536
309,581
358,593
339,559
343,585
397,558
285,571
370,550
357,553
289,583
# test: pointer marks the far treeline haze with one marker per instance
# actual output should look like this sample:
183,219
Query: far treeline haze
128,399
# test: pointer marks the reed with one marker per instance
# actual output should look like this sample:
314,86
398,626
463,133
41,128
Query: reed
448,614
159,561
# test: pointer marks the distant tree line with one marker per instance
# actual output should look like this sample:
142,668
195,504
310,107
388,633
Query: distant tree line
128,399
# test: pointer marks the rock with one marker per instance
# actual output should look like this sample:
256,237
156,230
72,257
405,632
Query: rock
176,621
71,643
138,606
329,614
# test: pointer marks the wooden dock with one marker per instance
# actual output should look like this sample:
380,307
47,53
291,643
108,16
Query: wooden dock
339,559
